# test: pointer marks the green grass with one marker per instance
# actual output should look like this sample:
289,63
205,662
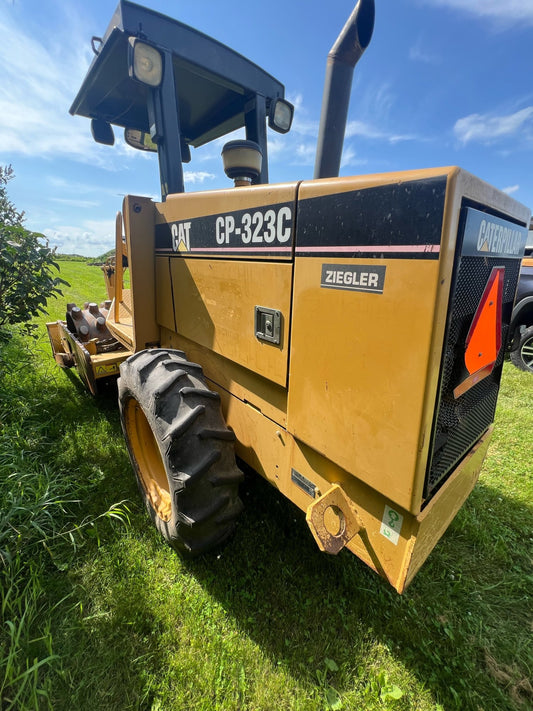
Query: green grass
98,613
86,284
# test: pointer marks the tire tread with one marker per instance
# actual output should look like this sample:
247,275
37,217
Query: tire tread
196,447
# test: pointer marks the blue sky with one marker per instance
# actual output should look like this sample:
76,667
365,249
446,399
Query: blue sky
444,82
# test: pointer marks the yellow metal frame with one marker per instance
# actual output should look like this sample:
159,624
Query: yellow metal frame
138,246
326,415
69,351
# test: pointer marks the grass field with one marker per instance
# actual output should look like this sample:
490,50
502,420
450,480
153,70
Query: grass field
98,613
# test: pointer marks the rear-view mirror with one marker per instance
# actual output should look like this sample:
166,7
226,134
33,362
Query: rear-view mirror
140,140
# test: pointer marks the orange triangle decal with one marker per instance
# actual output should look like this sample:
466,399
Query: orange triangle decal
484,338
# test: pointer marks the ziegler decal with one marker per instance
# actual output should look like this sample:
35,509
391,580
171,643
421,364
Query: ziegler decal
353,277
267,230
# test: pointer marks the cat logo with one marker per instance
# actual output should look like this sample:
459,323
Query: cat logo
498,238
492,236
180,236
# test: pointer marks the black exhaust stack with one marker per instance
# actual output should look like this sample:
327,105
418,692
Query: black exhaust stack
342,58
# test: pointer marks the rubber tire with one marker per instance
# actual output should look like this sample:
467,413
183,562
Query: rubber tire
518,355
180,449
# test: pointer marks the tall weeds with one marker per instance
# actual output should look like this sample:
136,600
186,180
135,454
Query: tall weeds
41,526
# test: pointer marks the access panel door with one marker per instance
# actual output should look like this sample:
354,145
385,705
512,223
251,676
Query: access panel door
230,265
365,292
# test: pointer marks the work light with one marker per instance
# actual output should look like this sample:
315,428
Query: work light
145,63
280,115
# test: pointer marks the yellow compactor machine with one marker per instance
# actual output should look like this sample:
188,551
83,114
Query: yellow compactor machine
344,337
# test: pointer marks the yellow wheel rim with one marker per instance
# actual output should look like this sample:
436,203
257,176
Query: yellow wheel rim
150,465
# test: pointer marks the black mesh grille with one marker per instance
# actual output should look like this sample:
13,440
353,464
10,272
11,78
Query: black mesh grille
460,422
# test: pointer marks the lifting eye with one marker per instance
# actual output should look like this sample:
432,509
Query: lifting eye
333,520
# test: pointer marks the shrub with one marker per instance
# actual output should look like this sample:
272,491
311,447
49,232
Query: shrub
27,266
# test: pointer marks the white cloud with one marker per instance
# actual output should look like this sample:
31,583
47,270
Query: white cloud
402,137
505,12
76,203
90,238
418,53
362,129
60,183
94,190
299,146
304,154
197,176
349,158
36,92
302,125
380,100
487,128
41,75
276,146
511,189
365,130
